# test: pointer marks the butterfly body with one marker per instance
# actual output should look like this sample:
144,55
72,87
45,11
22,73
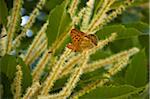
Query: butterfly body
81,41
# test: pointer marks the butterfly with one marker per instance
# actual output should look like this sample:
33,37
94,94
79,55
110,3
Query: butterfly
82,41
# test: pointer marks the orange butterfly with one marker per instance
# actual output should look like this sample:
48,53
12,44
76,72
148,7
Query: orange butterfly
81,41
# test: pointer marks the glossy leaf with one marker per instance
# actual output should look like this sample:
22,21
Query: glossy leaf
6,83
59,22
3,12
110,92
100,54
137,71
142,27
124,44
144,41
121,30
51,4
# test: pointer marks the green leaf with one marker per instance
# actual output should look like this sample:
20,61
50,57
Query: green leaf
124,44
142,27
126,37
59,84
144,41
107,30
121,30
110,92
100,54
8,65
117,4
63,45
137,71
59,23
51,4
118,78
6,86
3,12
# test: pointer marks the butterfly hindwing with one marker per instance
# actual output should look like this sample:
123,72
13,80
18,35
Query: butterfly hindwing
93,38
76,35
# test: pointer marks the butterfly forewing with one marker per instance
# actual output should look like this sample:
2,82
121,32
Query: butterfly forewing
76,35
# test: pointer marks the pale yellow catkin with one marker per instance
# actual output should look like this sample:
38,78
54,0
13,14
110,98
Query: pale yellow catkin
14,21
3,41
17,83
40,66
30,22
36,41
51,96
36,53
32,90
87,15
49,82
97,19
114,14
73,7
76,19
70,85
69,65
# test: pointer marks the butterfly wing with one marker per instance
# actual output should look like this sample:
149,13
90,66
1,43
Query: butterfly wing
76,37
93,38
86,44
89,41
